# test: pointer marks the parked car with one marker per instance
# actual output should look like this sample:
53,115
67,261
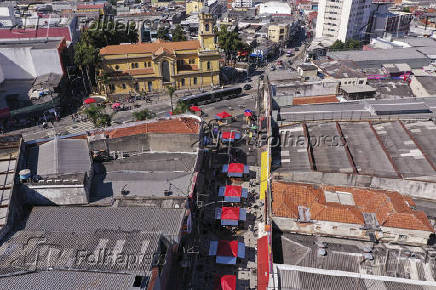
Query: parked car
247,87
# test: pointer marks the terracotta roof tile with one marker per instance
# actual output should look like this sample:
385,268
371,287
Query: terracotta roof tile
150,47
391,208
172,126
315,100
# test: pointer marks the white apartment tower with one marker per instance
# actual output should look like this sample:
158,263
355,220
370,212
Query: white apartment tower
343,19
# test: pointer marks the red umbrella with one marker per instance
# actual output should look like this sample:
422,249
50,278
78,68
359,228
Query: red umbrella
248,114
89,101
195,108
223,115
116,105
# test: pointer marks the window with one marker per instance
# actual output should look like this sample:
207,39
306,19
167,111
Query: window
192,61
123,85
149,64
282,30
195,80
208,65
360,82
137,86
117,67
207,27
135,65
182,82
111,87
150,86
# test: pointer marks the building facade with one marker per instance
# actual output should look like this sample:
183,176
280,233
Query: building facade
193,6
149,67
278,33
343,20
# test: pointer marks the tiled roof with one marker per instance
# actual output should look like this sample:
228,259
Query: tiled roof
172,126
35,33
154,47
391,208
90,6
315,100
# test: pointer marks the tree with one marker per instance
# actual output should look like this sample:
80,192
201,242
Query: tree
99,35
97,116
178,34
171,91
349,44
181,108
352,44
143,115
230,41
163,33
337,45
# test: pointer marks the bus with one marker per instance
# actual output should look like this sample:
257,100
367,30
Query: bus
212,96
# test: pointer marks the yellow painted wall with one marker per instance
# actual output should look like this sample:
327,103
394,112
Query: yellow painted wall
264,173
193,7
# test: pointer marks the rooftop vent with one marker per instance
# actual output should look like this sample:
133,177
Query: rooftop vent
367,249
322,252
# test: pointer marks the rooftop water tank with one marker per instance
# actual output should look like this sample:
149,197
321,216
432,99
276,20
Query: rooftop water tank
24,175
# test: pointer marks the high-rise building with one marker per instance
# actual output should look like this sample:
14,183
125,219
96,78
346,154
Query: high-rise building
343,19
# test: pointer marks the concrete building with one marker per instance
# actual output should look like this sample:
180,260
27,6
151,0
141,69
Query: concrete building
242,3
343,20
274,8
393,23
423,86
307,72
107,247
28,59
194,6
317,262
153,66
61,171
356,213
278,33
346,72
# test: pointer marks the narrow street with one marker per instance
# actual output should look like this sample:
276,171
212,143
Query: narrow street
213,203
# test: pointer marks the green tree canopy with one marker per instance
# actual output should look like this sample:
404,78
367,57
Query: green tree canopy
99,35
143,115
230,41
349,44
178,34
97,116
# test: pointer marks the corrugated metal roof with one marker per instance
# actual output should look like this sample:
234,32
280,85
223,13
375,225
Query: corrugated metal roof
63,156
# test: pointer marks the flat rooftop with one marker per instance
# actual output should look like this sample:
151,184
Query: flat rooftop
407,108
74,233
391,149
348,256
145,176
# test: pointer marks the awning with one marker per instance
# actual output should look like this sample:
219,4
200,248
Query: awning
195,109
230,136
227,252
116,105
230,216
223,115
235,169
228,282
89,101
232,193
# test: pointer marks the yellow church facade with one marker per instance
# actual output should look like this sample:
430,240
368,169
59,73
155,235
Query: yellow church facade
151,67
